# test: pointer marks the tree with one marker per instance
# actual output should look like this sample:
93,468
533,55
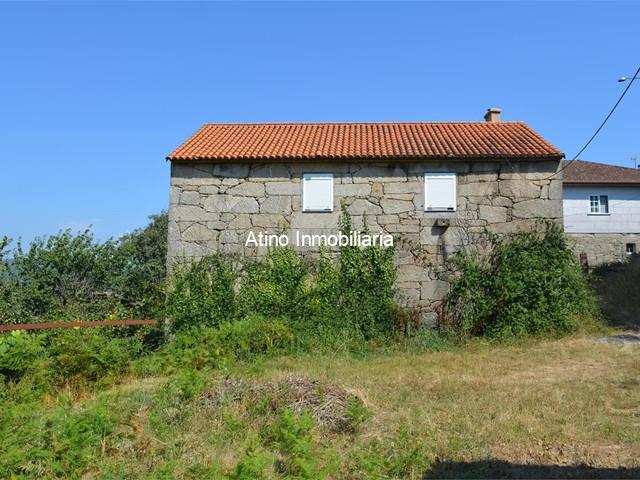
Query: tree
142,257
71,276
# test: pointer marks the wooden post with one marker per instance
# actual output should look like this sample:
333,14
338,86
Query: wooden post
584,261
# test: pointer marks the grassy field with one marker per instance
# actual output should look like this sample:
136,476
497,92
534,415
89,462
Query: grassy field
554,408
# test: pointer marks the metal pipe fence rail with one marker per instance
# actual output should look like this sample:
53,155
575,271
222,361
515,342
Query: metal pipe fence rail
99,323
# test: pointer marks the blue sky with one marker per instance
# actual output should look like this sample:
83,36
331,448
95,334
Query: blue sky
93,96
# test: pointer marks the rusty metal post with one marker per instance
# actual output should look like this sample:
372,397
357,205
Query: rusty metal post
584,262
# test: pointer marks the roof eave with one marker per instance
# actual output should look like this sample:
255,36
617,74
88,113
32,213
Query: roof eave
417,158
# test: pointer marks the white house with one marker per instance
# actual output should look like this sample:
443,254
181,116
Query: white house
601,210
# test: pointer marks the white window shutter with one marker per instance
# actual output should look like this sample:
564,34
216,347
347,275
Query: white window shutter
317,192
440,191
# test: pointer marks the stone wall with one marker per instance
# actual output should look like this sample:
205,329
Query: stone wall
603,248
214,206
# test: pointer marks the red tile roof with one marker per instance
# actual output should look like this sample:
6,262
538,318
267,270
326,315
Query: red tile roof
581,171
364,141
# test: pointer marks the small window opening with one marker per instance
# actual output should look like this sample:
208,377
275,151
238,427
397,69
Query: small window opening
630,248
440,192
317,192
599,204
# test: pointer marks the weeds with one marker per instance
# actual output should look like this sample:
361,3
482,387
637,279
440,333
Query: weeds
530,284
203,294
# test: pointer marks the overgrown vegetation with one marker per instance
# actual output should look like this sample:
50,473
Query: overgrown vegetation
529,284
114,402
203,293
73,277
414,412
357,292
348,296
54,358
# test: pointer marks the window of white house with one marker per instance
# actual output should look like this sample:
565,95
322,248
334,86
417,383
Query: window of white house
599,204
317,192
440,192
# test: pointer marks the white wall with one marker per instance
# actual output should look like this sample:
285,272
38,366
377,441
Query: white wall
624,209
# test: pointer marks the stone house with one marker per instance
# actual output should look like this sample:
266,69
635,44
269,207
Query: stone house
430,185
601,205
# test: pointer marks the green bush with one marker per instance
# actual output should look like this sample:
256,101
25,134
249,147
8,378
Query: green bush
6,288
181,388
530,284
203,294
21,353
399,455
204,347
292,437
74,277
140,273
276,285
170,401
254,335
61,276
60,442
193,348
252,466
349,294
89,354
469,303
57,356
356,292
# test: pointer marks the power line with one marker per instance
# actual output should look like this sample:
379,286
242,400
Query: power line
606,119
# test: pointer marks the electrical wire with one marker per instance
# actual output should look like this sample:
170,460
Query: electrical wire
606,119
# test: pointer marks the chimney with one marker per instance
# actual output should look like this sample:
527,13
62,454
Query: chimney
492,115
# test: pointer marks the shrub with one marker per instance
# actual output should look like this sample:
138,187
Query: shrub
171,399
61,276
6,290
400,455
275,286
21,353
203,294
357,291
60,442
291,435
253,336
349,294
55,357
205,347
530,284
72,276
469,302
90,354
252,466
140,261
194,348
183,387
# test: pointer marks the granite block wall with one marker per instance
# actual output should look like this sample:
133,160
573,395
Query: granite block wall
215,206
602,248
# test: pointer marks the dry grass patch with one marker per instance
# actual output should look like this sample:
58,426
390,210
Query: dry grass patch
569,402
524,410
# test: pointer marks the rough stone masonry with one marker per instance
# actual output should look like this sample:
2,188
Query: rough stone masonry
213,206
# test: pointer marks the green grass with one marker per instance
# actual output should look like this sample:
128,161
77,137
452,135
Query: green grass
562,403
